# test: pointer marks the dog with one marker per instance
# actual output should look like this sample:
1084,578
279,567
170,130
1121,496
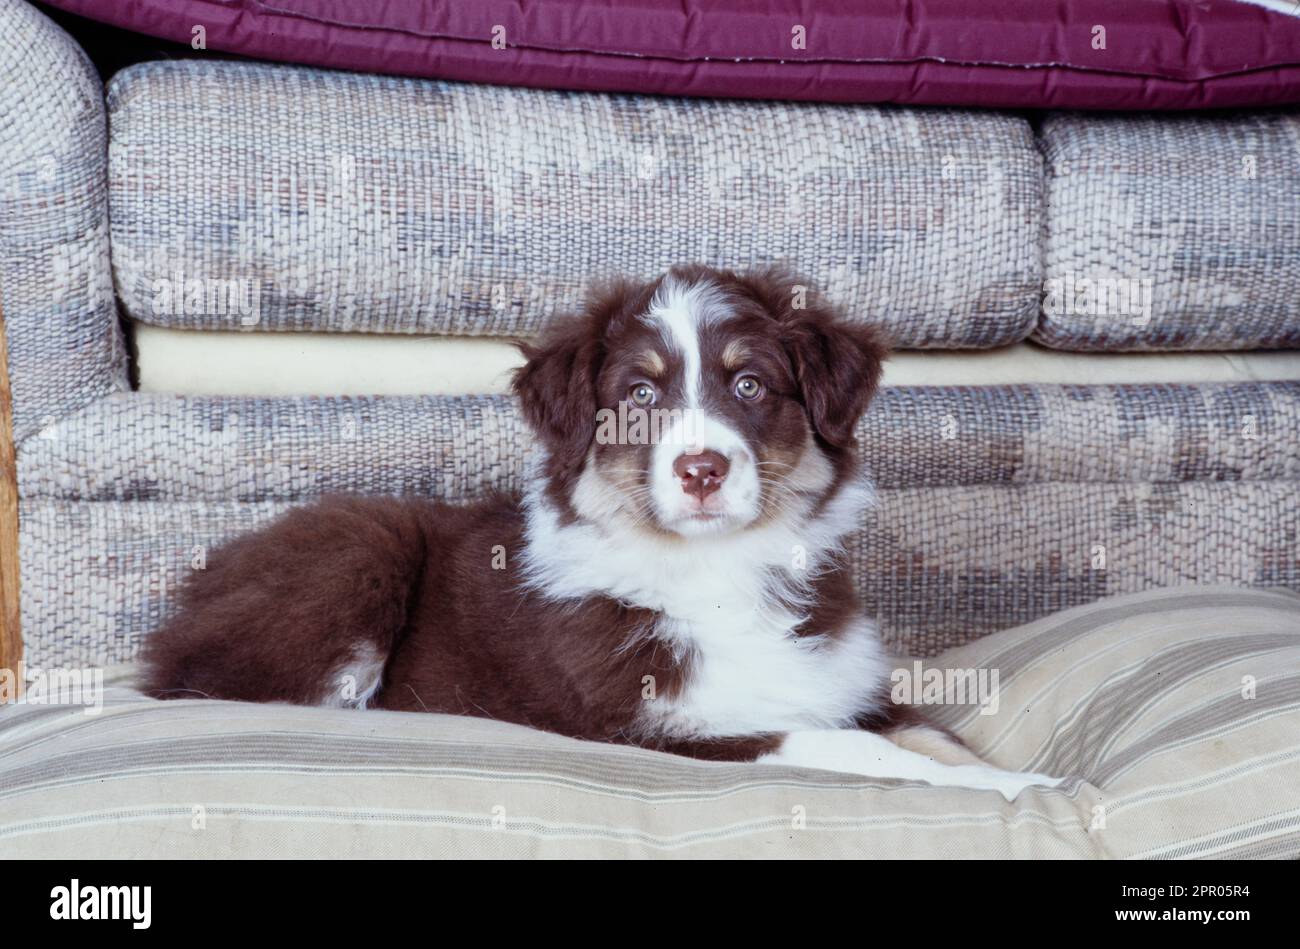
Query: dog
679,586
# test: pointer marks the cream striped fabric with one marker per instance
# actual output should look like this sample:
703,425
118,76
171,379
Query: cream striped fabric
1176,712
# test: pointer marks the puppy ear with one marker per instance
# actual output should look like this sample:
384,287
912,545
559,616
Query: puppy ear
837,363
556,387
838,366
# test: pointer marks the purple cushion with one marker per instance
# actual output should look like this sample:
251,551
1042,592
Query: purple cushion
1158,54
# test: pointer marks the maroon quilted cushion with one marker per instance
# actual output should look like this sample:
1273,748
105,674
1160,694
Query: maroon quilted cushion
1102,54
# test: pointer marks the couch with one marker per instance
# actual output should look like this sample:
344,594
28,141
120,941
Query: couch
1123,550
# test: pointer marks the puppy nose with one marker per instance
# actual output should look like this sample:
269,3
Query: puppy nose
701,474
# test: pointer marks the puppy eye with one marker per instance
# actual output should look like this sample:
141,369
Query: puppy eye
641,394
748,388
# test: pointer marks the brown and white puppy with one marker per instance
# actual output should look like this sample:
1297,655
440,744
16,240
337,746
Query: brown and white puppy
673,576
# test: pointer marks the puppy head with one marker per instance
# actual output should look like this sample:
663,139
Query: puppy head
703,402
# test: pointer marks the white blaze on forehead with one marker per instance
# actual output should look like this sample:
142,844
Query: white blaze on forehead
681,311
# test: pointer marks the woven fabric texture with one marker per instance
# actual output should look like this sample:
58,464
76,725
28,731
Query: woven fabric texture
936,566
353,202
138,447
1172,232
65,348
999,504
1136,701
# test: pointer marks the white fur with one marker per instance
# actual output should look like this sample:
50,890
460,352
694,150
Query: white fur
355,683
867,753
607,552
730,601
729,596
681,311
752,675
737,503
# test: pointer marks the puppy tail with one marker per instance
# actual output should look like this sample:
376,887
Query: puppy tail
307,610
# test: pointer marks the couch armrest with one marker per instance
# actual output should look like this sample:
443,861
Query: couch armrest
65,344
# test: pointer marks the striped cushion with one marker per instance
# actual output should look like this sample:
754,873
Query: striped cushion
1177,714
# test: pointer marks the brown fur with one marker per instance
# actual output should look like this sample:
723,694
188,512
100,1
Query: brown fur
277,612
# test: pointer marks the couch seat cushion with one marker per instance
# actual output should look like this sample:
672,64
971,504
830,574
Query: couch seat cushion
1176,713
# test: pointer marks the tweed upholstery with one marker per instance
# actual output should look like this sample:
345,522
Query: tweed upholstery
936,566
462,447
277,449
1206,210
65,349
1141,702
402,206
943,566
996,501
396,206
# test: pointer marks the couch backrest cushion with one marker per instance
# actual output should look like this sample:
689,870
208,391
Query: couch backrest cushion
1172,232
280,198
